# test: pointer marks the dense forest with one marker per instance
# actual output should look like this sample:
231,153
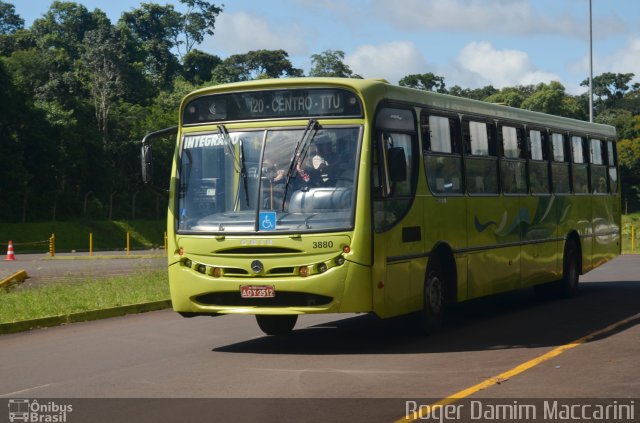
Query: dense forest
78,92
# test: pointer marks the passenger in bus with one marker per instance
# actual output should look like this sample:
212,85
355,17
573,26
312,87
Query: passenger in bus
324,161
313,171
324,154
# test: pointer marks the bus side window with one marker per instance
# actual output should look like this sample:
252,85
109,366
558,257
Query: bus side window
481,161
560,181
442,158
513,164
579,167
598,168
613,170
538,164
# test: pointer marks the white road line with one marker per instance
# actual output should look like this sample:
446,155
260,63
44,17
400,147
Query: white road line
11,394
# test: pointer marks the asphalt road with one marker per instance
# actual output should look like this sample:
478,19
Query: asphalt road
41,268
375,366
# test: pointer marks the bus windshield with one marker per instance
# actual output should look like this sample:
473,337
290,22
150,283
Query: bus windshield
282,180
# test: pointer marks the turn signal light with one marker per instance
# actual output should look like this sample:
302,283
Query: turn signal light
304,271
217,272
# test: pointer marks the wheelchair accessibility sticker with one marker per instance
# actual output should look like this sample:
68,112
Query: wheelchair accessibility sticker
267,221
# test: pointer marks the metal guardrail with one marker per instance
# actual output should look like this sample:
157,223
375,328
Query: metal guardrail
45,242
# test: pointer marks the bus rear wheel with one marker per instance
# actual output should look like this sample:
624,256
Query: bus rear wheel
434,299
568,285
276,324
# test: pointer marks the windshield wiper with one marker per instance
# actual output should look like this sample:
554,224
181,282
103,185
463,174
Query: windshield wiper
300,153
238,164
243,174
229,150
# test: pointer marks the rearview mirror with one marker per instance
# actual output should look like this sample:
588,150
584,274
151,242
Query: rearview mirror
147,164
146,156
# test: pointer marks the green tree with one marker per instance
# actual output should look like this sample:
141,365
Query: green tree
13,174
22,39
629,162
511,96
258,64
161,30
198,20
330,63
49,74
425,81
155,29
103,63
475,94
64,26
59,37
27,153
623,120
198,66
552,99
10,21
609,88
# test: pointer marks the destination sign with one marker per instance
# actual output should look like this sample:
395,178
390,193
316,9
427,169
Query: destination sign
272,104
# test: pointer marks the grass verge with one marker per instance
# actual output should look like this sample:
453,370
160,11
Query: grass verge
62,298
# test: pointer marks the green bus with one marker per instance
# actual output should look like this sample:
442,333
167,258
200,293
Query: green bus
332,195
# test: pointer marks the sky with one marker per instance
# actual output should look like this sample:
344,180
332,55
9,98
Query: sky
471,43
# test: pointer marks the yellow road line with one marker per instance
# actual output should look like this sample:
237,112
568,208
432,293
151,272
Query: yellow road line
502,377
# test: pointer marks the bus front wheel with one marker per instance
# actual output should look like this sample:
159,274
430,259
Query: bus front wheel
276,324
434,299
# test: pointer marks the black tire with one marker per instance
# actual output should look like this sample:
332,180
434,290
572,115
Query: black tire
276,324
434,299
568,285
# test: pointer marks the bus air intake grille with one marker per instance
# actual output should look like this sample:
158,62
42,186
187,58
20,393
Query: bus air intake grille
282,271
258,250
282,299
234,271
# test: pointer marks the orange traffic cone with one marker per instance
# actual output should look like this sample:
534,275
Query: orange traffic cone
10,254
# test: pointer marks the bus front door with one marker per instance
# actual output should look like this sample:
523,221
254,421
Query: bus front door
399,259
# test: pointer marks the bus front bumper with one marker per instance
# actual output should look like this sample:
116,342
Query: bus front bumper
340,289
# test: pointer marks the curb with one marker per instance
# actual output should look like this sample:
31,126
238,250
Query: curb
17,278
84,316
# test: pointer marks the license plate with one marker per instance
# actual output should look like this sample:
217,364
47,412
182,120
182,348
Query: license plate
261,291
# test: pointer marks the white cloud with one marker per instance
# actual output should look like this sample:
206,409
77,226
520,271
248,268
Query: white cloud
514,17
238,33
391,61
626,59
480,61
